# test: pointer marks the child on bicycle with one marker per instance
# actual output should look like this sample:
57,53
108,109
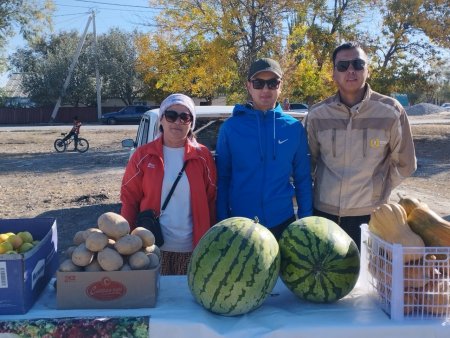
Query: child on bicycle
74,131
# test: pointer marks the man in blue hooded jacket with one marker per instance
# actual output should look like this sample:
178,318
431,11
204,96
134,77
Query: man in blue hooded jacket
262,156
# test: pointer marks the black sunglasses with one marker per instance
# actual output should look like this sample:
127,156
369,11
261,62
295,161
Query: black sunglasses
172,116
271,83
358,64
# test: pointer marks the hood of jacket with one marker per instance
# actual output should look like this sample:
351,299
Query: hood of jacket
247,109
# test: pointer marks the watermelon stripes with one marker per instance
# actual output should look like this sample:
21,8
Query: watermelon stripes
319,261
234,267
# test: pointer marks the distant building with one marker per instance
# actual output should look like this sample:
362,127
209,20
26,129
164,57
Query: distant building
15,97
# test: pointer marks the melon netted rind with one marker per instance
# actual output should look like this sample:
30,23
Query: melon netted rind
234,267
319,261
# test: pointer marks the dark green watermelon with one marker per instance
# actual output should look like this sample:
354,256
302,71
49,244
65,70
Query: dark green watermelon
234,267
319,261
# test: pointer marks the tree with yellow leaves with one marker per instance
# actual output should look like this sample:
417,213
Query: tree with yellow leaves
199,68
407,45
204,48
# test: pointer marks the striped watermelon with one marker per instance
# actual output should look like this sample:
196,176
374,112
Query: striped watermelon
234,267
319,261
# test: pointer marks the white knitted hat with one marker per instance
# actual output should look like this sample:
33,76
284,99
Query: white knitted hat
181,99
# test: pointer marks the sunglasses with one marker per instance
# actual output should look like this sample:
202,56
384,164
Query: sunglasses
171,116
342,66
271,84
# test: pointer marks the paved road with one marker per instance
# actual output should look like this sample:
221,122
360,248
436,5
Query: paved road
414,121
438,118
442,118
66,127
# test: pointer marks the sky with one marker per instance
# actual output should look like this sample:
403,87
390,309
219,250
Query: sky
127,15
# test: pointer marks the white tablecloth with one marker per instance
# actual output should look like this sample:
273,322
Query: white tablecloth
282,315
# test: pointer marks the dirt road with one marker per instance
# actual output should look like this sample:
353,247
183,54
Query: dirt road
76,188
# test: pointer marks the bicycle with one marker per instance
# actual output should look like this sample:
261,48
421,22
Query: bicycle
61,145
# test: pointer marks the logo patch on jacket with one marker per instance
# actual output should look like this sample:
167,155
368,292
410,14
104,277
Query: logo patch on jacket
151,165
374,143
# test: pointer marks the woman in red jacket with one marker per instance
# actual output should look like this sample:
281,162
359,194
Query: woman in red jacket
151,173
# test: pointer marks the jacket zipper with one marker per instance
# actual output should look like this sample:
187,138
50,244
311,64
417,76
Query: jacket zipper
364,142
333,141
264,160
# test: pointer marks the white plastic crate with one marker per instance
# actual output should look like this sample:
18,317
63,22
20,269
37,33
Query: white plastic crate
418,289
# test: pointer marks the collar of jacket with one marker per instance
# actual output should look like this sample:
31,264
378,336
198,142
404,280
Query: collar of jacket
355,109
190,148
242,109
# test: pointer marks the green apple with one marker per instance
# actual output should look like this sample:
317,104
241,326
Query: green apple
15,240
4,237
26,236
5,247
25,247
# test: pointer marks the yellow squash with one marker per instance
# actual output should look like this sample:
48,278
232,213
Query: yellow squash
410,203
388,222
434,230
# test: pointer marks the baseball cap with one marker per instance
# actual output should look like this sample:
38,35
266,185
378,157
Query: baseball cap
265,65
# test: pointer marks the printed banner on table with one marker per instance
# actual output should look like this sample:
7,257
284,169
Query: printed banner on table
79,327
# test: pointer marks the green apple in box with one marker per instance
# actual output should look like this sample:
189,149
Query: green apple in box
26,236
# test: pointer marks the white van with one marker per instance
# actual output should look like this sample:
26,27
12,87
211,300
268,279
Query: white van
208,122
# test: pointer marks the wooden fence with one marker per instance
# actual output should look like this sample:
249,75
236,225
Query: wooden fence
43,114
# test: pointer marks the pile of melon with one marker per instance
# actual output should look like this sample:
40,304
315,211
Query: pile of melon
112,247
236,264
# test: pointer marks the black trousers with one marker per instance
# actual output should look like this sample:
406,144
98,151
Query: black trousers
350,224
75,138
278,229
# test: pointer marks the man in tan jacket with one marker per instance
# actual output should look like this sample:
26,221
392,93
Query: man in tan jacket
360,142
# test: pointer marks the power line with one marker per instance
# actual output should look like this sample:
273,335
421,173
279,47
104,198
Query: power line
66,19
113,4
75,6
111,9
71,20
59,15
106,9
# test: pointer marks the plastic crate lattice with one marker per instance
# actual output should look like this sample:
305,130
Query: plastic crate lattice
416,288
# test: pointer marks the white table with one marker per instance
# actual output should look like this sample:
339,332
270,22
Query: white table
281,315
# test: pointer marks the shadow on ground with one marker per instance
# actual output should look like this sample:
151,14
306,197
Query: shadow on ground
63,162
431,159
71,220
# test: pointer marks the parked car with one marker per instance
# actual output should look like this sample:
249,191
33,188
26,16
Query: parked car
446,105
128,114
299,108
209,119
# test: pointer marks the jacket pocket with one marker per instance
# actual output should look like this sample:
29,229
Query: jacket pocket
378,187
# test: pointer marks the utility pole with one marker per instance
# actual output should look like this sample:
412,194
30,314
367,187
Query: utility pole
97,75
71,68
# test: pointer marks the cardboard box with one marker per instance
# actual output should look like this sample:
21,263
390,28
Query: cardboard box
24,276
107,290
